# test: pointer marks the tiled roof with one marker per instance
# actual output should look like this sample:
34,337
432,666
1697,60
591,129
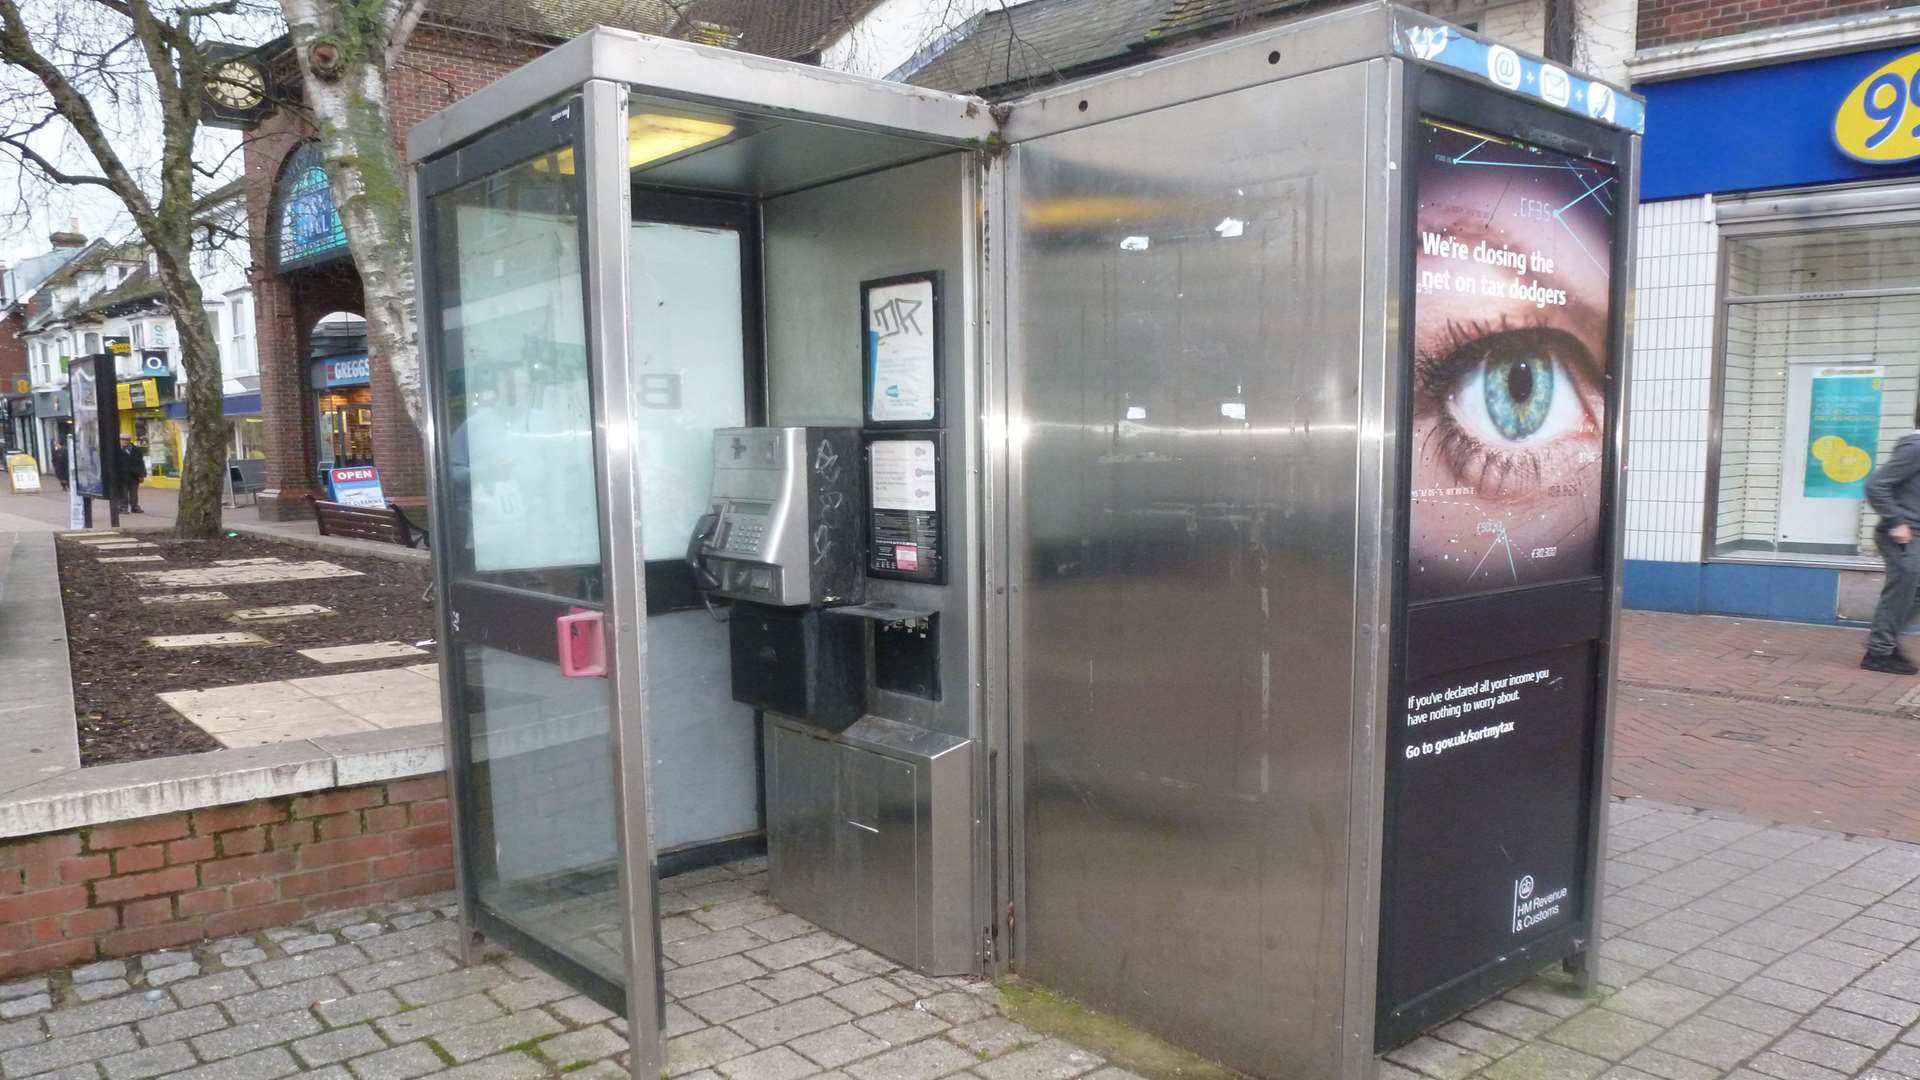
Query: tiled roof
1198,16
557,19
1008,50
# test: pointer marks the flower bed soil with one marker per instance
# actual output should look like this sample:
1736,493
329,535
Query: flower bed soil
117,675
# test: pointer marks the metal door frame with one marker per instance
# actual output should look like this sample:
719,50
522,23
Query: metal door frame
599,150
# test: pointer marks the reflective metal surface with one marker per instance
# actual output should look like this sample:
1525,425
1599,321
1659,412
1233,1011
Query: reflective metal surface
867,835
1196,303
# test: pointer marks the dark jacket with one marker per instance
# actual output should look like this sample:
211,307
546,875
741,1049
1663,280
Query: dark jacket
130,464
1894,488
60,461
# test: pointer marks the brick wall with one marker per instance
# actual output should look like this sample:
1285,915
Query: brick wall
13,352
148,883
1672,22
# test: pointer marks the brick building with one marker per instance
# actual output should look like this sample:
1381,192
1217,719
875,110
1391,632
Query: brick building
1777,340
320,406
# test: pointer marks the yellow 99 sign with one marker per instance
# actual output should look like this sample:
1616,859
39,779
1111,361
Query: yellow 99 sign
1879,122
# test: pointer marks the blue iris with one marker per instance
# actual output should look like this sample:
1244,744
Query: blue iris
1519,392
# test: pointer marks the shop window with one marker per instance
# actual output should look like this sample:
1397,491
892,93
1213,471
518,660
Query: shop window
1820,331
90,344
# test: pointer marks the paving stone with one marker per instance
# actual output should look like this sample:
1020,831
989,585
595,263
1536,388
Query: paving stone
837,1046
282,611
434,1019
371,1005
1657,1002
307,943
308,964
23,988
1511,1019
1545,1061
1471,1036
337,1045
400,1063
791,984
1711,1042
216,987
1757,1015
410,967
796,951
451,985
684,982
580,1010
362,931
94,991
1879,1006
250,1036
734,913
152,1061
961,1006
269,1064
920,1061
1604,1034
299,995
1786,995
587,1044
992,1038
120,1010
902,1025
1052,1059
72,1050
868,996
344,654
1836,1054
243,957
186,1023
199,641
528,993
1854,1028
1774,1066
784,1022
476,1041
713,945
185,598
514,1066
727,1003
704,1049
94,972
166,959
175,973
25,1006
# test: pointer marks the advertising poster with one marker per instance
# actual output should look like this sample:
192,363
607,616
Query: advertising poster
1843,429
1484,867
1510,322
83,456
902,375
357,486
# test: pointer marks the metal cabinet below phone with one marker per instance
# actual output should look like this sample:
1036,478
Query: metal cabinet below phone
882,854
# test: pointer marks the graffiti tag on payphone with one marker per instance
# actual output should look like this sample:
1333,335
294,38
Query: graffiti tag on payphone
826,466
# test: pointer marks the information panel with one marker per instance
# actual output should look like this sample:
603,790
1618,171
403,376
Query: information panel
904,508
1489,785
1510,323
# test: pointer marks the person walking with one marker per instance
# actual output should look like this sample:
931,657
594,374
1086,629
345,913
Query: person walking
1894,493
130,467
60,462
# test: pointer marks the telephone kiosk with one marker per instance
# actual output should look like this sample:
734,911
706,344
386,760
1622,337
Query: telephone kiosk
861,834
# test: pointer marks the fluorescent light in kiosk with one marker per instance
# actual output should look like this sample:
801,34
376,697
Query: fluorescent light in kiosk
653,136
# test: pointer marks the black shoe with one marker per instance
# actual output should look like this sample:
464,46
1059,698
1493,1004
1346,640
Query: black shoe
1891,663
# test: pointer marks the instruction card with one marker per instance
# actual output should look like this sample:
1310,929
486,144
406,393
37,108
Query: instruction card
903,500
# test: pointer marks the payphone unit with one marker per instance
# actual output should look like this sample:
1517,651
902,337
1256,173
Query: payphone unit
786,519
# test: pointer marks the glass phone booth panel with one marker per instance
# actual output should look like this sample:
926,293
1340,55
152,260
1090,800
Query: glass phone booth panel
521,545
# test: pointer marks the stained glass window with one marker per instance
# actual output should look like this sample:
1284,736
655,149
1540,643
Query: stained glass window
306,225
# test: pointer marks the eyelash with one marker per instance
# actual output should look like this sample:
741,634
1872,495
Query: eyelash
1439,368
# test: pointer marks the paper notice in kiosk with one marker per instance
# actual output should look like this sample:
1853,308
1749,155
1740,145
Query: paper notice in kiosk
903,476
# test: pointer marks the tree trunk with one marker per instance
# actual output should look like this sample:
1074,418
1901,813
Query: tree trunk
368,178
203,473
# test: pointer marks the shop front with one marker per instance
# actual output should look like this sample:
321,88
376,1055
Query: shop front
143,415
342,412
1779,338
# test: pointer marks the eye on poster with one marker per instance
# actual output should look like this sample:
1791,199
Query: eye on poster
1843,430
1511,323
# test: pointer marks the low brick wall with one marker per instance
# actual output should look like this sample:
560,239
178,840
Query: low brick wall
148,883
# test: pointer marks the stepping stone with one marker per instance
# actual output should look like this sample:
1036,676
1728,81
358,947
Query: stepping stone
133,558
378,650
239,575
185,598
246,562
189,641
285,611
127,546
95,537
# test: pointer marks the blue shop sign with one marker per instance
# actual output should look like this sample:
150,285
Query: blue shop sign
1775,127
342,371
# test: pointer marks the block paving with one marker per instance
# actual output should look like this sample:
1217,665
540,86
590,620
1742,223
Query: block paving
1734,949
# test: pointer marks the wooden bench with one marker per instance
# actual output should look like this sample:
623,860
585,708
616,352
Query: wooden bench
388,524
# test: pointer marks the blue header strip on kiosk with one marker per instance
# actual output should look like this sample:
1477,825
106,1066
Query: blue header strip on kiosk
1451,47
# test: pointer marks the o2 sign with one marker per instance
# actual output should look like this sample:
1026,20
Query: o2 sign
1879,122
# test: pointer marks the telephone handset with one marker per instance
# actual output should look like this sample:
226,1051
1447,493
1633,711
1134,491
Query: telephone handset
703,531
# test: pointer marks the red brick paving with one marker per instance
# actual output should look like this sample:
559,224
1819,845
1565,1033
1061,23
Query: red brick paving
1773,720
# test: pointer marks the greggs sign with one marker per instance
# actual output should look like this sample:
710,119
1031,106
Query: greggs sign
1879,121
